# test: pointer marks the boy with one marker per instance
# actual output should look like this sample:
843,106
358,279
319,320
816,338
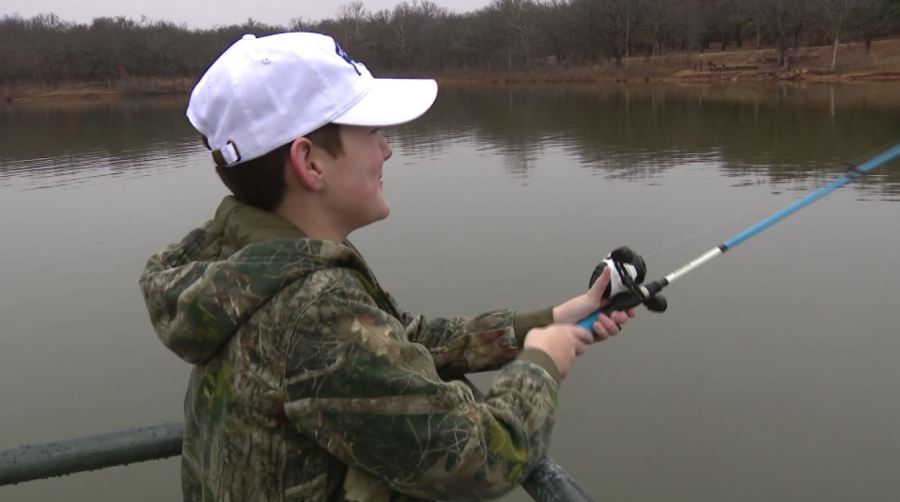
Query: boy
309,382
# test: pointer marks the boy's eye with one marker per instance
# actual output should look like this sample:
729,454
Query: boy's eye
376,130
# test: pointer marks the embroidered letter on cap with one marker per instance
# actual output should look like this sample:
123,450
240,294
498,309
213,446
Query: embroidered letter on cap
346,57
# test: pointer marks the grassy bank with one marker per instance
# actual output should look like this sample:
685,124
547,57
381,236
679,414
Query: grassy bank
881,63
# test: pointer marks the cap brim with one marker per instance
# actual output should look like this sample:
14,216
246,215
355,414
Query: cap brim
391,101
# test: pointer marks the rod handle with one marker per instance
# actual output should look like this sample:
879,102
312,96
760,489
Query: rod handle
622,301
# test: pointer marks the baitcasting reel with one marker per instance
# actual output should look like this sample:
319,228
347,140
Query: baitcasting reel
627,272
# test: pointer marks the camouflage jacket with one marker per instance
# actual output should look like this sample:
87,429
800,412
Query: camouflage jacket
310,384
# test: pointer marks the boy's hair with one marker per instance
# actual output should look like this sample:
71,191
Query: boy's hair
260,182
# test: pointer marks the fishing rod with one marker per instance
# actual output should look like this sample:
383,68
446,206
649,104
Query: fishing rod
627,269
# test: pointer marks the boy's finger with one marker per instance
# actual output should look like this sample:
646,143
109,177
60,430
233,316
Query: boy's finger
603,280
619,318
611,327
600,331
583,335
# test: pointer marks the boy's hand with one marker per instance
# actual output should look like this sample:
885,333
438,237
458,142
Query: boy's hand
576,309
562,342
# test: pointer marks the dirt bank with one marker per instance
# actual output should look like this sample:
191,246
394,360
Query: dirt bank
881,63
82,91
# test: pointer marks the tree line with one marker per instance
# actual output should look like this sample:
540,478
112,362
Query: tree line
421,36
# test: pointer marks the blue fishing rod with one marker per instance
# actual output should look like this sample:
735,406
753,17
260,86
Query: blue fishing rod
627,269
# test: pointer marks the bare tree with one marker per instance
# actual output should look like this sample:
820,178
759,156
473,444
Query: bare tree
586,16
413,35
835,15
620,19
350,20
516,20
786,19
661,22
875,18
298,24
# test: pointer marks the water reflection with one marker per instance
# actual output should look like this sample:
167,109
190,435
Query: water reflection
767,134
77,169
46,145
783,133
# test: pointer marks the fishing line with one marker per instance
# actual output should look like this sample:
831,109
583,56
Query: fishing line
751,209
630,268
709,227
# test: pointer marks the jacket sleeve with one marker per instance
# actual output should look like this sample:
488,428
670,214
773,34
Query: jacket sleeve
461,345
372,398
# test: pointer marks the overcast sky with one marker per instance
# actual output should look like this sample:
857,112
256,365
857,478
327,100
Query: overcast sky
205,13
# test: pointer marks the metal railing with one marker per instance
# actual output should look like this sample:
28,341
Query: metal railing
58,458
548,482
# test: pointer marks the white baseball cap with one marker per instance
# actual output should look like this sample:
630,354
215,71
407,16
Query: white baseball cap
262,93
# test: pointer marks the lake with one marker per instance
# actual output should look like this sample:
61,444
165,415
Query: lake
773,376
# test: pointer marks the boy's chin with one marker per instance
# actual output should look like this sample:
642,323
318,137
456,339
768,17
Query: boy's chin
384,211
381,215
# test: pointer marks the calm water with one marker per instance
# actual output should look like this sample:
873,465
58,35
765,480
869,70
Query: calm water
772,377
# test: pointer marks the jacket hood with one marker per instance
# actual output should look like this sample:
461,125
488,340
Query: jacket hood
200,291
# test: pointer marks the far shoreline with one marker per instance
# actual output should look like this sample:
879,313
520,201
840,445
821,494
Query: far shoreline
734,66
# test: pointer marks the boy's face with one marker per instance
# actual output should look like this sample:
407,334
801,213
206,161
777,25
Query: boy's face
353,185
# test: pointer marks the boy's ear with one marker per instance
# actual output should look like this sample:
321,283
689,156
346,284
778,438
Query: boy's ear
303,166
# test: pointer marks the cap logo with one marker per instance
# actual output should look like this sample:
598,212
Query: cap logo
346,57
